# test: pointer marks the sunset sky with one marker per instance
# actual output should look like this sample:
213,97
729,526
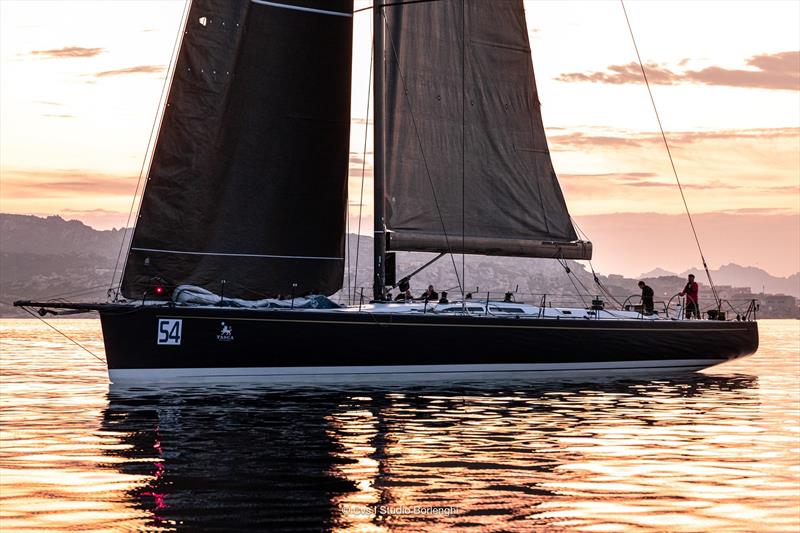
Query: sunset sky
80,83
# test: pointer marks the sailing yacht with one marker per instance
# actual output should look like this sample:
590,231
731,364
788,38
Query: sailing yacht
240,235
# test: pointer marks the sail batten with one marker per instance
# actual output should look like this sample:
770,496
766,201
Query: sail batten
426,242
466,153
249,173
232,254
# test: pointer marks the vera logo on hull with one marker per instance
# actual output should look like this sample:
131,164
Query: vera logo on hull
169,331
226,333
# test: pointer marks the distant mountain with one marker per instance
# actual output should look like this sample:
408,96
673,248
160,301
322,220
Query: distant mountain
658,273
43,258
54,235
637,242
757,279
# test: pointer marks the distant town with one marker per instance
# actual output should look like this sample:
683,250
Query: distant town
46,258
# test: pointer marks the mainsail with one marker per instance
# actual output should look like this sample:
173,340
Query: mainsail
248,183
467,167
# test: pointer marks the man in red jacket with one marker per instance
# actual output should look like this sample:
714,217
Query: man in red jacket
691,291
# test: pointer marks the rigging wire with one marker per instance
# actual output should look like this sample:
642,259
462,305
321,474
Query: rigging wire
570,276
669,153
422,151
153,134
603,289
76,292
73,341
363,168
392,4
463,148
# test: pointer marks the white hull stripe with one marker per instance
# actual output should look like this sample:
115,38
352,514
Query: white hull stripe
156,250
319,373
299,8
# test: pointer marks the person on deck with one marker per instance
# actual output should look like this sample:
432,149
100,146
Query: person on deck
692,293
430,295
647,299
444,299
404,296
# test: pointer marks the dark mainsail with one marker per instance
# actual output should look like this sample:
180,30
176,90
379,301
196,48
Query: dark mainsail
248,182
468,115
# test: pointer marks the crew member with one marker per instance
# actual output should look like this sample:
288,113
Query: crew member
404,296
647,298
429,295
692,293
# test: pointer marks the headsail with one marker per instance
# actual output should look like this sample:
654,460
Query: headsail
248,182
452,111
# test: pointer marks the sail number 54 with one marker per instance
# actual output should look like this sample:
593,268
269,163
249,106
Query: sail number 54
169,331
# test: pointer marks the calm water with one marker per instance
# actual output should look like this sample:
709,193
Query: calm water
717,451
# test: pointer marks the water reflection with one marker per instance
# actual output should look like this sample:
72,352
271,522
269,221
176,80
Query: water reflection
633,454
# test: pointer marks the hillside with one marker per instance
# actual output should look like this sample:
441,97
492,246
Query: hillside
44,258
756,279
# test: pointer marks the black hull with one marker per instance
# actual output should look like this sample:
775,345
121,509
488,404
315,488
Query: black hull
221,342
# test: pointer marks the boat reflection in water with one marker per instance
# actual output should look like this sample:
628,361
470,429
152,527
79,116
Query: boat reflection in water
627,453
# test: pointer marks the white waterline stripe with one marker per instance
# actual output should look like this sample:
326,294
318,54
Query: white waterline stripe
238,255
299,8
122,375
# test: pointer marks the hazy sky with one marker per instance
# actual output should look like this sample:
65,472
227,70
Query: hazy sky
80,83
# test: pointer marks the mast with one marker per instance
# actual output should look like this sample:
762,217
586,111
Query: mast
379,232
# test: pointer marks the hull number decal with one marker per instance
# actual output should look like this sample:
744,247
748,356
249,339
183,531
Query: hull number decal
169,331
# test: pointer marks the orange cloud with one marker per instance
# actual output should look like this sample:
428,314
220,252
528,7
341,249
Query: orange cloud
64,183
779,71
580,140
68,52
141,69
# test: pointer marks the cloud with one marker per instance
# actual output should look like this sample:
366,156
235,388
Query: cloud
780,71
623,176
358,159
90,212
50,115
141,69
356,172
68,52
580,140
757,211
64,183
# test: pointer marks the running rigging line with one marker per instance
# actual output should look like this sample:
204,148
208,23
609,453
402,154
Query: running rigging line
669,153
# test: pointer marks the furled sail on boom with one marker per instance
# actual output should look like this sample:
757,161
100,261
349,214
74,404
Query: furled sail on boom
248,182
461,109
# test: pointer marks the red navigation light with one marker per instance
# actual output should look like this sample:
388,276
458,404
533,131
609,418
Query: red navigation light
159,290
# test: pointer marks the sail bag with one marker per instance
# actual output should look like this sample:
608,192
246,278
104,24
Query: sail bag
467,167
248,182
